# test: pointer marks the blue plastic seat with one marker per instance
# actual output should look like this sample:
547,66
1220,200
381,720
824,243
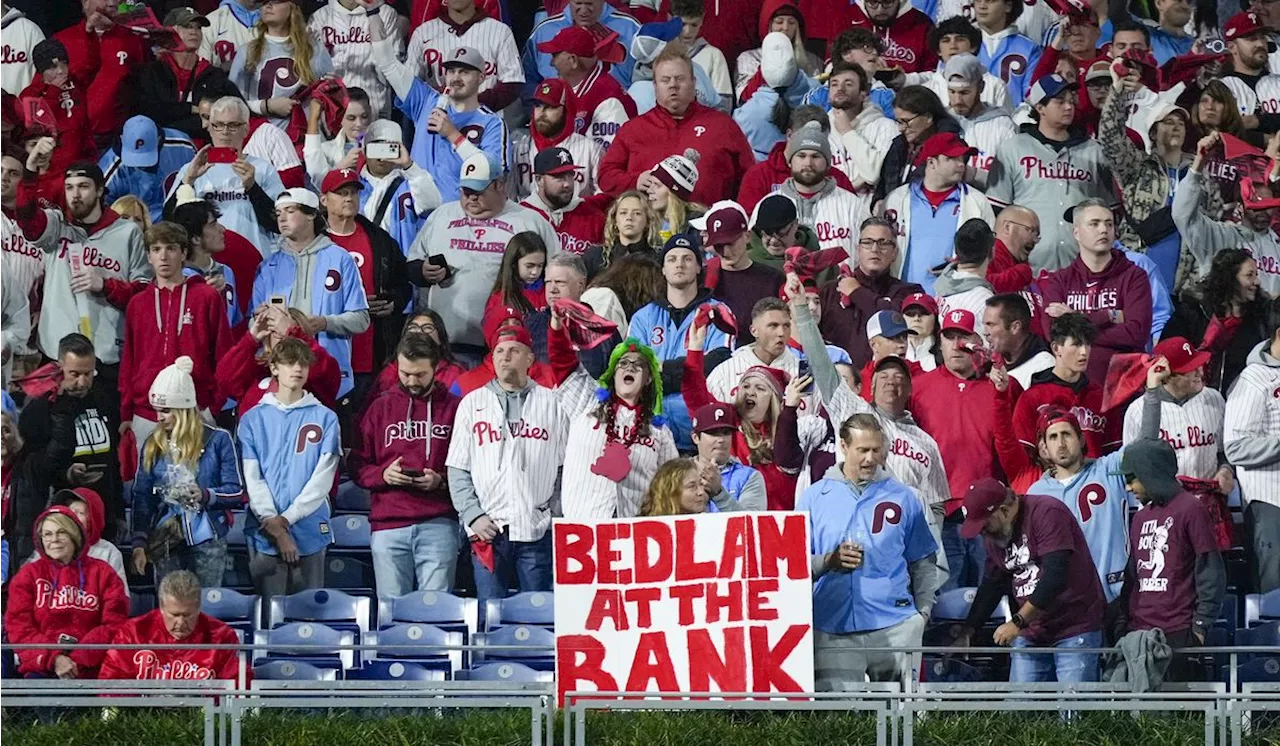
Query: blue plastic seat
351,532
335,608
292,670
309,642
239,610
952,609
1261,607
1260,669
444,610
1261,636
535,608
406,641
541,657
505,672
384,670
347,573
351,498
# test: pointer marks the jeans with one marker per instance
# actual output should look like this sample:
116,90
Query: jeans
965,557
207,560
526,564
1064,667
426,552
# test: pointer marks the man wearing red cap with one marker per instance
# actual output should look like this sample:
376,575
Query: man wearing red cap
967,443
929,211
382,272
1035,548
464,23
551,125
603,106
677,123
579,224
483,373
1257,91
610,32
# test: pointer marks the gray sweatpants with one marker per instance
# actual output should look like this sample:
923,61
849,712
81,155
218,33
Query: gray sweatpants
840,664
273,577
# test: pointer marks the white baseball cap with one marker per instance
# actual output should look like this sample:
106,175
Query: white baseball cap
298,196
384,130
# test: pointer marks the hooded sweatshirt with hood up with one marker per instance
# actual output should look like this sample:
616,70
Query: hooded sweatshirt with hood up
749,61
906,38
99,548
320,280
58,604
527,143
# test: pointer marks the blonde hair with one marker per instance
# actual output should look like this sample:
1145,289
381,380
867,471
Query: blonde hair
187,438
299,39
653,224
759,445
130,206
663,497
66,523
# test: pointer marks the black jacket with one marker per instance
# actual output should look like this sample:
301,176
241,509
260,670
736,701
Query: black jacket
390,282
594,258
29,488
893,173
1191,319
167,101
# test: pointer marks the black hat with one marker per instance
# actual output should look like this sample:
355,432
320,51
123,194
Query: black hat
690,241
88,170
553,161
773,213
47,52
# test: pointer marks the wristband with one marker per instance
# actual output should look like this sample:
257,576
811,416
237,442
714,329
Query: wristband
1018,621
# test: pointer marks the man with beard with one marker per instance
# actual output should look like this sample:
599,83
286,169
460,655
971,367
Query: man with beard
771,327
904,29
1257,91
983,126
929,210
400,458
739,282
730,484
664,324
1017,232
555,108
860,132
578,224
399,194
1204,237
22,261
765,177
466,23
1006,323
821,204
94,263
603,105
78,425
1039,557
775,227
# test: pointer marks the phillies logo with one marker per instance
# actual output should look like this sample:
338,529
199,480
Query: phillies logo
229,293
1090,421
150,668
309,433
95,258
224,50
137,144
896,51
64,597
486,433
827,232
698,130
956,317
1186,347
353,35
1061,170
358,258
415,430
122,56
480,233
715,226
888,513
333,281
473,132
1090,497
434,60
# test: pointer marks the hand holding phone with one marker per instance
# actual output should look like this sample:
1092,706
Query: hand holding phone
383,151
223,155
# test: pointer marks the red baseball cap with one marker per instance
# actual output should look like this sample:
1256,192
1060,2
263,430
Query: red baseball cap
340,177
715,416
944,143
553,92
959,319
573,39
924,300
1183,357
982,499
499,318
512,333
1241,25
724,223
1051,415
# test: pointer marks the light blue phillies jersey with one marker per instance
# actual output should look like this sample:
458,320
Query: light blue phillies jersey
435,154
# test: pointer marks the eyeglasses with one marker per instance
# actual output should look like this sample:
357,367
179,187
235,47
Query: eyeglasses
878,245
225,126
1032,231
881,3
905,123
420,329
631,365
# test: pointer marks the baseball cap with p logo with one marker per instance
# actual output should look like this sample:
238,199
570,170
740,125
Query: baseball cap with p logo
479,171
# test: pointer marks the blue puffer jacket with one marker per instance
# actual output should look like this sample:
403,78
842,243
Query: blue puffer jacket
222,487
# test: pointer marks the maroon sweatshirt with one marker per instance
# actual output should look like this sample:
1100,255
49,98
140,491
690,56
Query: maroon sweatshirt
844,322
416,429
1121,286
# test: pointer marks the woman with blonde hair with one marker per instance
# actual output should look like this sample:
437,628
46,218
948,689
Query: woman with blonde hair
631,226
670,193
281,59
675,490
187,483
134,209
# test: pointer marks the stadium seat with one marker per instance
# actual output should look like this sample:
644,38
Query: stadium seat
1261,668
948,669
240,611
1261,607
1264,635
235,534
351,498
348,573
505,672
542,658
444,610
335,608
1229,617
290,670
141,603
381,670
536,608
237,570
351,532
317,639
403,641
952,609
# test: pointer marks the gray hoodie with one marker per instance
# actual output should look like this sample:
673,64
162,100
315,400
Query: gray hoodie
346,324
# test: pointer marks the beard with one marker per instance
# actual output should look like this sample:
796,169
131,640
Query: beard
558,201
548,128
808,178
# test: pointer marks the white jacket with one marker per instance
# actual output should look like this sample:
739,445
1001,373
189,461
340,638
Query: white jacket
586,154
321,156
985,132
973,204
860,152
21,35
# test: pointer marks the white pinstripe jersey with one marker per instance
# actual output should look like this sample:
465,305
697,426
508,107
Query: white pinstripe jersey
225,35
1253,411
586,495
585,151
272,145
1264,99
431,43
1194,429
345,36
23,261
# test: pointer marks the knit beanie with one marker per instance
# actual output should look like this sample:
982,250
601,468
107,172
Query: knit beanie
689,241
173,387
775,378
809,137
679,173
47,52
778,60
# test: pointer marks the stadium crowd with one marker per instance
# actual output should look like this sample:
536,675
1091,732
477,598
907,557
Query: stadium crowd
987,289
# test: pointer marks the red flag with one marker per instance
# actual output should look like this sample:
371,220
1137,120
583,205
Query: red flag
1126,377
1185,68
1219,333
38,116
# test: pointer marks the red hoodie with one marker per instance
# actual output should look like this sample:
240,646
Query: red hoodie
417,431
1120,286
245,378
161,325
1006,274
765,177
1102,434
906,38
58,604
170,664
645,140
108,63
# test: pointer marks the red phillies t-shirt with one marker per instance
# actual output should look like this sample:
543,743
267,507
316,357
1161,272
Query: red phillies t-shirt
1164,542
361,251
1046,525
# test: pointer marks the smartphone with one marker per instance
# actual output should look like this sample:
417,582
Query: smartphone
96,467
803,370
383,151
438,260
222,155
277,300
413,473
884,75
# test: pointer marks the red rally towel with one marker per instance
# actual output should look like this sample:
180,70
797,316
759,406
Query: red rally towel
128,454
1126,378
483,551
809,264
585,328
1207,492
718,314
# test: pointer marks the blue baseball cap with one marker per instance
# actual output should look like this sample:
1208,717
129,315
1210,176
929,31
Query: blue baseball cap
887,324
140,143
479,171
1048,87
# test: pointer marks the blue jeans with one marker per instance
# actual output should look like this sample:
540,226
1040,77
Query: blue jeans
525,564
965,557
1064,667
426,552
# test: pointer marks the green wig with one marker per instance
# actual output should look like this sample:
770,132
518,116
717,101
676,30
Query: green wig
631,344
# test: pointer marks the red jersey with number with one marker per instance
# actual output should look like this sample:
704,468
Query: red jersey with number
361,251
